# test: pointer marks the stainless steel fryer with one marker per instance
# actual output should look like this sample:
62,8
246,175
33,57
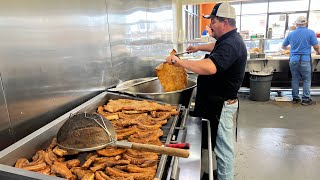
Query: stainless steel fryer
41,138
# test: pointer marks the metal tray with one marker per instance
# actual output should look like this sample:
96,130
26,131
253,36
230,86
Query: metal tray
41,138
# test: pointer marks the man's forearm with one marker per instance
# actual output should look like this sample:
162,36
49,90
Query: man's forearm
317,48
206,47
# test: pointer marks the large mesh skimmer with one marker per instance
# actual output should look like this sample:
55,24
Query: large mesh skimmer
87,132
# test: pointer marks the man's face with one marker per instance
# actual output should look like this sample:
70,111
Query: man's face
217,27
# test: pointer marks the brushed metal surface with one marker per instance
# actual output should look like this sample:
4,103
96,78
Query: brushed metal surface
6,137
57,54
54,55
190,168
140,36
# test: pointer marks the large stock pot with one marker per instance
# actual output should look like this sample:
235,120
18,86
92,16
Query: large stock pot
153,90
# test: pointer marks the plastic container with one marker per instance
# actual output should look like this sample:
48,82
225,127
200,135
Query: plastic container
260,87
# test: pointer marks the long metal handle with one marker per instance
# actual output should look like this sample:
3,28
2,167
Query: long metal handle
179,54
135,84
209,150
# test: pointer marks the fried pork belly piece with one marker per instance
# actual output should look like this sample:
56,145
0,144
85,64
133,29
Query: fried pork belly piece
124,122
119,162
97,167
62,152
160,116
172,78
147,135
137,159
72,163
111,151
124,133
35,167
102,176
37,158
148,163
100,160
45,171
128,104
137,176
21,163
107,115
136,169
149,125
62,170
50,157
133,112
132,116
83,174
88,162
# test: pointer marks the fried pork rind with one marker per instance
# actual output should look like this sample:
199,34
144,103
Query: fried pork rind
129,104
172,78
62,170
111,151
107,115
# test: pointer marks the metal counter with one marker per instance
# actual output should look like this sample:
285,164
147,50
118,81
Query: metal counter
190,168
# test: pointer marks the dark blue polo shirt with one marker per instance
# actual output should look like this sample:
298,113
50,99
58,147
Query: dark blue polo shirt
230,56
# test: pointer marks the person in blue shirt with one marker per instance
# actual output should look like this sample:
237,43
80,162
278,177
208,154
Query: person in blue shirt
301,41
207,31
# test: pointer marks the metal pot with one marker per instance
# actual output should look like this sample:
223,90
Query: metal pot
153,90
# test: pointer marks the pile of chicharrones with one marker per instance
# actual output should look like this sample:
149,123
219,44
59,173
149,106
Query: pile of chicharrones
135,121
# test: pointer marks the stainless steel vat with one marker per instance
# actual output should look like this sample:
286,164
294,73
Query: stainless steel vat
153,90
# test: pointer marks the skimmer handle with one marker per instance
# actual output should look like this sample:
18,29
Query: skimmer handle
153,148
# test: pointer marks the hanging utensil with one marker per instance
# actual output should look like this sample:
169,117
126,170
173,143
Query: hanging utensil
117,89
88,132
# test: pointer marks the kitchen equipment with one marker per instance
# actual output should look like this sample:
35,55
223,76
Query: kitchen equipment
181,53
172,131
153,90
123,88
87,132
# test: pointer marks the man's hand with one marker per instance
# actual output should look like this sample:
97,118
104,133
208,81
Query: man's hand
192,49
173,60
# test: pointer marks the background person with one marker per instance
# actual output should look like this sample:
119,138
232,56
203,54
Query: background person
220,76
301,41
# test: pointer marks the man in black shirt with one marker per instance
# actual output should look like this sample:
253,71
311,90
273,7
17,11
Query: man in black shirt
220,76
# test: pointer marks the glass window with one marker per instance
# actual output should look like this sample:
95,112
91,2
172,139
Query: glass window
314,21
255,24
288,5
238,23
258,7
278,24
314,5
237,6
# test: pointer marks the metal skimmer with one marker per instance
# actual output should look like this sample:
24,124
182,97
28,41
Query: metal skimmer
87,132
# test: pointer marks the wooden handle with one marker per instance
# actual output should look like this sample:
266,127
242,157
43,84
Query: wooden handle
160,149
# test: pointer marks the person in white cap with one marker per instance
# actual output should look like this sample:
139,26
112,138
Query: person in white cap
220,76
301,41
